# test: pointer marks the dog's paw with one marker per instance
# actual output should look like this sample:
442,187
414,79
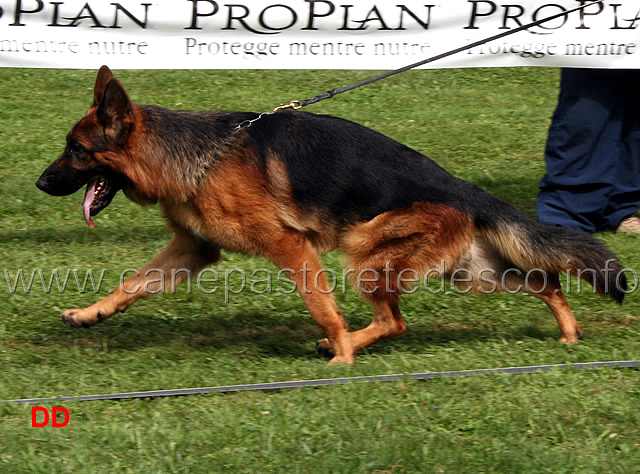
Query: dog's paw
323,347
83,318
347,360
572,339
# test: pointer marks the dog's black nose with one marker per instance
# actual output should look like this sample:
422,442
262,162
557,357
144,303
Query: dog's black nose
42,184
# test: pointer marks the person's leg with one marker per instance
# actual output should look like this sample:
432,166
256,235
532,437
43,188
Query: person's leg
582,148
624,199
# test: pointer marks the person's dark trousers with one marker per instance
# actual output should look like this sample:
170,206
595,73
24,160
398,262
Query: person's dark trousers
593,151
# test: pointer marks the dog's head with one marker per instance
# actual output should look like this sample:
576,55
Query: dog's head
95,148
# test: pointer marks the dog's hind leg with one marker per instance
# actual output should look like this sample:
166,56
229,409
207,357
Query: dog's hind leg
491,272
390,251
550,292
544,285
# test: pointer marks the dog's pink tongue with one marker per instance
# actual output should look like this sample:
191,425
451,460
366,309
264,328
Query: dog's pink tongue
89,196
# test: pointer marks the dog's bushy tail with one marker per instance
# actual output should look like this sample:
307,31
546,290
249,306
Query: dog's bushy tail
530,245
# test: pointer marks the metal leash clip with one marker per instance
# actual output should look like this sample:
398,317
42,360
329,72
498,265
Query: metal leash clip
248,123
294,104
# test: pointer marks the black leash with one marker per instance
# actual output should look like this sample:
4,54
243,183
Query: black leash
323,382
297,104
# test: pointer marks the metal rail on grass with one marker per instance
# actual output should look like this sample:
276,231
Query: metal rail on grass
322,382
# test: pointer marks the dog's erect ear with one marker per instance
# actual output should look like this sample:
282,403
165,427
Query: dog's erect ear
115,110
103,78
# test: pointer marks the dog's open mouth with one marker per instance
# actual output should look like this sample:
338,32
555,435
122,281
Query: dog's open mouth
99,193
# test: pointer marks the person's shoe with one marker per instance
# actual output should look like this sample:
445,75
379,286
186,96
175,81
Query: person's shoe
630,224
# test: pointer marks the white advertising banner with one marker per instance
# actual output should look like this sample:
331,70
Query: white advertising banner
313,34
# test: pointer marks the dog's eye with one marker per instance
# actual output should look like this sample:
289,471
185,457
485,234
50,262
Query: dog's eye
75,148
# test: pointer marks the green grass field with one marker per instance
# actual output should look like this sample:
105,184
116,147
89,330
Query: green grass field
487,126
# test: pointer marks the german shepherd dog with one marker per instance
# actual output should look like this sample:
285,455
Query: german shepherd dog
294,185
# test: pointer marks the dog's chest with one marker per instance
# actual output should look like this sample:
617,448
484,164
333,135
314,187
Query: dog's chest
214,224
185,216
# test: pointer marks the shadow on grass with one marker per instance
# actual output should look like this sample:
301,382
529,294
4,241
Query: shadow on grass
264,334
114,235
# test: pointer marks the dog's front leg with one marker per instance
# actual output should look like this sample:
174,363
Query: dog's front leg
185,255
294,254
